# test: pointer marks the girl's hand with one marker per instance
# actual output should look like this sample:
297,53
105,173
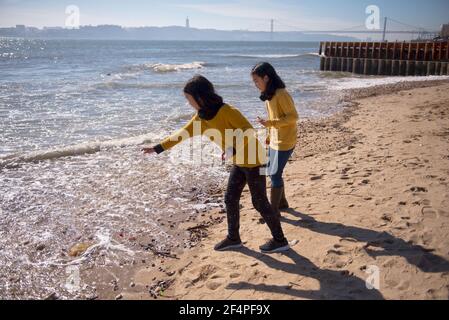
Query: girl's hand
148,150
262,121
228,154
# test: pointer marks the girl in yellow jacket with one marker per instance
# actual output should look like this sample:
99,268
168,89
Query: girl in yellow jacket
219,121
282,127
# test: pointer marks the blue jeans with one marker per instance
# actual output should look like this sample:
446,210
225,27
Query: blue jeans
277,162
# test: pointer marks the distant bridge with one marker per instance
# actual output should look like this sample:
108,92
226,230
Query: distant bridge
361,29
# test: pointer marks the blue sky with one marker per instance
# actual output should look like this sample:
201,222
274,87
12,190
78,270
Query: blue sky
254,15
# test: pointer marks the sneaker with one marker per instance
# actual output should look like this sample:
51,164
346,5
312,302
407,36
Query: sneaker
273,246
228,244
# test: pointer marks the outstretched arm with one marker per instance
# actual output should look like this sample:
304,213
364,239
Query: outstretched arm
191,129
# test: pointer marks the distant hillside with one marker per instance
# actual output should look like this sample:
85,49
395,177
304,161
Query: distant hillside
111,32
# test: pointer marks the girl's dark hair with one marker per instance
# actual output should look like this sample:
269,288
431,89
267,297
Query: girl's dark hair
275,82
202,90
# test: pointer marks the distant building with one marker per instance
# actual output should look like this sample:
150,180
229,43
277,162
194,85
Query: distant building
20,27
444,31
187,23
52,28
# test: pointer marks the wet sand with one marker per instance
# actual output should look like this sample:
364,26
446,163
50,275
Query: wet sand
368,190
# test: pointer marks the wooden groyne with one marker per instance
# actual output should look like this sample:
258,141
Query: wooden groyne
386,58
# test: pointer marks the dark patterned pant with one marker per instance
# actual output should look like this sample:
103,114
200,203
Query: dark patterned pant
238,178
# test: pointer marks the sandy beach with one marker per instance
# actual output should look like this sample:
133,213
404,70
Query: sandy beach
368,190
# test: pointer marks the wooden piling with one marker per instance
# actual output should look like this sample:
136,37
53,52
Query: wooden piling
395,68
327,64
401,51
374,67
418,50
430,68
356,66
409,52
402,67
437,68
349,64
432,50
443,68
384,58
426,51
366,66
339,62
344,64
388,67
420,68
410,68
393,57
333,64
382,70
447,51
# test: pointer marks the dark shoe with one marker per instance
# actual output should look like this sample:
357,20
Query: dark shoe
283,204
228,244
273,246
276,195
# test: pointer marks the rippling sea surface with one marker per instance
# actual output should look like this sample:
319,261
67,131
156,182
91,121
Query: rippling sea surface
73,117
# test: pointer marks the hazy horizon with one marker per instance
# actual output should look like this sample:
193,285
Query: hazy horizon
289,15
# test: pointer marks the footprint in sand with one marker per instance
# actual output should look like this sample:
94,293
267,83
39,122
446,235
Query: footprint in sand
213,285
390,264
427,238
391,283
337,258
204,273
417,190
404,285
444,214
341,253
428,212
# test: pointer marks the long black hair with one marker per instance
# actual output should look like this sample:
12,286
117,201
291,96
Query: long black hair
275,82
203,91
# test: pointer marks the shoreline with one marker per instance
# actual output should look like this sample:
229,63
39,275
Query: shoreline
198,275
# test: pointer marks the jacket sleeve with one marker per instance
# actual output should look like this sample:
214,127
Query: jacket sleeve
192,128
287,107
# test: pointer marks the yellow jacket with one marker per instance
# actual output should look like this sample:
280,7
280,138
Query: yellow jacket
282,121
229,129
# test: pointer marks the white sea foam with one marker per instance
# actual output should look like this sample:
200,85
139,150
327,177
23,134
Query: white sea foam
164,67
274,56
360,82
76,150
134,71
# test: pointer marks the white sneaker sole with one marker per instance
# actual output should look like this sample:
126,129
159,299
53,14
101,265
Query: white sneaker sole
236,246
281,249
